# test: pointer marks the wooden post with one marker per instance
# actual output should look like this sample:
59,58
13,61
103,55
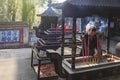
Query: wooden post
108,34
39,65
73,43
63,39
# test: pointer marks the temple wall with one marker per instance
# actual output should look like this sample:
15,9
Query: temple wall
14,34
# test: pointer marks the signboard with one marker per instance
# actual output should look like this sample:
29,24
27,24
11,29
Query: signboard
9,36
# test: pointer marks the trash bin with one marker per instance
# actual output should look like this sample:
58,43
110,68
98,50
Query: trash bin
117,48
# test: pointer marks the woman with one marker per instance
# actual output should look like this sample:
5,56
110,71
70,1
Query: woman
91,43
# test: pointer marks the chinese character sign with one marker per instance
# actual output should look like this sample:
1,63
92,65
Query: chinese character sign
9,36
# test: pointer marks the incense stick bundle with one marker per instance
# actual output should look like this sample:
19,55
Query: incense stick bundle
83,49
88,48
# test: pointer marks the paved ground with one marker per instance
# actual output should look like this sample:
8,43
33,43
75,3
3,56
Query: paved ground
15,64
21,53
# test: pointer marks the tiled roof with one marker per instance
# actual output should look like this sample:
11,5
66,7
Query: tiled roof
106,3
58,5
49,12
103,3
81,8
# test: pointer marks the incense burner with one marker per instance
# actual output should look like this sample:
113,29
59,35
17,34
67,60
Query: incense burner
88,67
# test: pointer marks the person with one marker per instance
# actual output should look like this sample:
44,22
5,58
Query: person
90,44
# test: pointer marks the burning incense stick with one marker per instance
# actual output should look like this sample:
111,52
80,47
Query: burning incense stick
101,41
97,44
88,48
83,49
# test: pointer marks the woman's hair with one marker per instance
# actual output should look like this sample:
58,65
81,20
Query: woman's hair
90,25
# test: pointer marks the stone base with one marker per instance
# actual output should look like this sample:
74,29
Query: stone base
117,48
14,46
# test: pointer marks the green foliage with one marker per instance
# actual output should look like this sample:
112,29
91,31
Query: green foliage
29,10
42,2
12,6
3,11
20,10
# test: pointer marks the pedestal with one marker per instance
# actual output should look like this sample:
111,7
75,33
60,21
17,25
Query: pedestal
117,48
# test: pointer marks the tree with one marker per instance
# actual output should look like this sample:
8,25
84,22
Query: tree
12,6
3,11
20,10
29,10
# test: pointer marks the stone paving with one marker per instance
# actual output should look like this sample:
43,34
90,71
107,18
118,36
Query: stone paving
15,64
21,53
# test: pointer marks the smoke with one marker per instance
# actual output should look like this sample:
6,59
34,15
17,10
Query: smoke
101,24
102,27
